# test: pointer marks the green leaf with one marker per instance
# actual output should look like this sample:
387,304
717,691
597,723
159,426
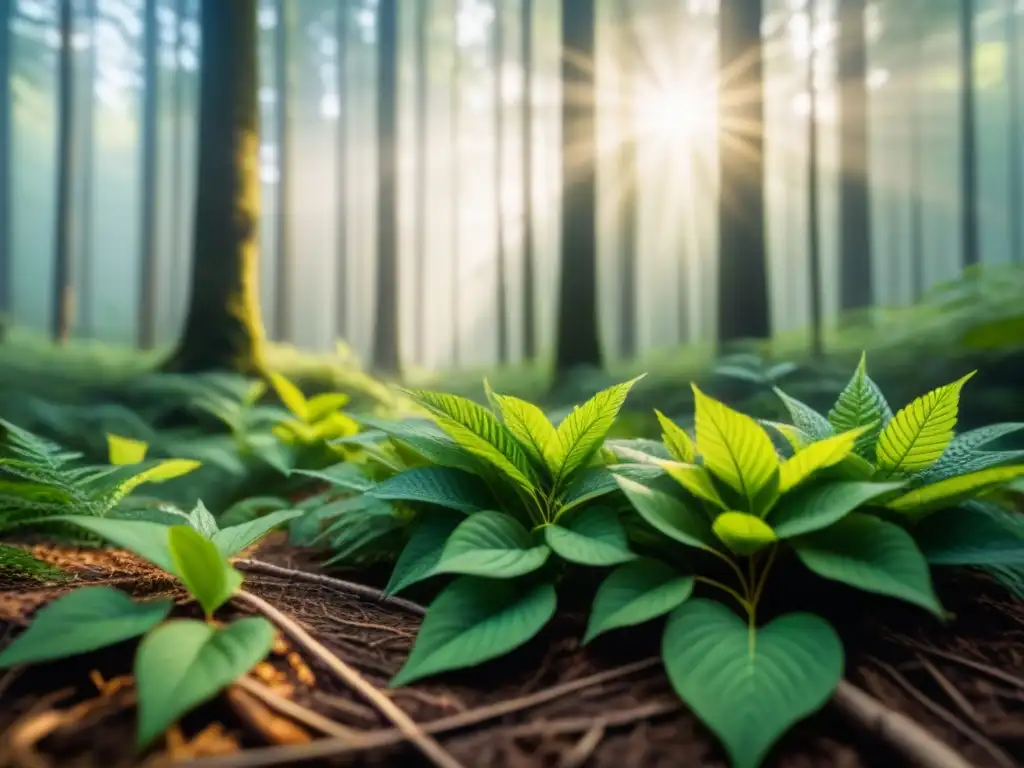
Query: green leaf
795,438
84,620
423,551
202,568
635,593
918,434
805,418
426,439
968,536
319,407
145,539
345,475
946,493
478,431
291,396
231,541
581,434
16,561
669,515
160,472
586,486
750,687
183,664
202,520
743,534
964,449
820,505
593,537
678,443
872,555
861,404
475,620
735,448
531,428
494,545
124,450
443,486
817,456
695,479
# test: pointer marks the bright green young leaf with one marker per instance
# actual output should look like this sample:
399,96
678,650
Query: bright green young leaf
161,472
581,434
183,664
969,536
695,479
84,620
480,433
816,456
947,493
531,428
443,486
203,520
593,537
743,534
423,551
145,539
670,516
735,448
820,505
861,404
124,450
918,434
291,396
678,443
202,568
870,554
319,407
475,620
805,418
750,688
636,593
231,541
494,545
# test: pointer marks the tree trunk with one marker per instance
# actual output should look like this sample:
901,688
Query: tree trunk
422,116
283,278
497,65
915,81
1015,196
455,152
855,278
813,222
341,190
86,281
578,344
149,164
5,164
628,179
385,332
529,305
67,165
743,269
177,187
970,249
223,330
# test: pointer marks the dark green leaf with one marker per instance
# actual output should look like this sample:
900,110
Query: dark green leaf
494,545
635,593
593,537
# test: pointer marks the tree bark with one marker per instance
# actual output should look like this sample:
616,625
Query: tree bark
628,179
813,222
497,64
529,303
5,164
1015,194
67,165
223,330
743,270
283,278
970,248
455,152
149,163
422,117
578,344
341,184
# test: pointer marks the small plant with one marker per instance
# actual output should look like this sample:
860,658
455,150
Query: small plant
314,420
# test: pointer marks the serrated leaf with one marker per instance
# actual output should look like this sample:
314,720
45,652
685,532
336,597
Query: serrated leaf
494,545
475,620
668,515
820,505
426,439
964,448
805,418
945,493
586,486
443,486
423,551
593,537
817,456
695,479
969,536
202,568
636,593
861,404
581,434
202,520
183,664
231,541
870,554
742,533
531,428
291,396
645,449
84,620
918,434
735,448
679,445
124,450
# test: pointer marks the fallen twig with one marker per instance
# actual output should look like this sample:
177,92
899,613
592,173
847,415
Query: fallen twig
295,711
427,745
584,748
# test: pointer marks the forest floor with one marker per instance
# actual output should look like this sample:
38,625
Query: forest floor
549,704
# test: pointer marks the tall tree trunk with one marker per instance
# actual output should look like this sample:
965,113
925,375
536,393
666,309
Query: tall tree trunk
178,153
526,59
385,332
283,319
455,153
1015,196
5,164
223,330
743,269
149,164
970,248
628,180
813,221
578,344
86,269
855,278
915,85
422,116
67,165
497,65
341,184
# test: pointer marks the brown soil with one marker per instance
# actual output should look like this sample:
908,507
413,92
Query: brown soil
964,682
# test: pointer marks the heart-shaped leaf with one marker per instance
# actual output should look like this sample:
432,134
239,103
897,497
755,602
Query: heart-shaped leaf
84,620
743,534
202,568
593,537
474,620
820,505
423,551
749,688
492,544
635,593
185,663
669,515
231,541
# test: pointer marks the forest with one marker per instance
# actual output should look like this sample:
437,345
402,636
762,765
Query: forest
571,383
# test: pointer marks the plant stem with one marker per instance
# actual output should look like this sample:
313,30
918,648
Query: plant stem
728,590
764,574
735,568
